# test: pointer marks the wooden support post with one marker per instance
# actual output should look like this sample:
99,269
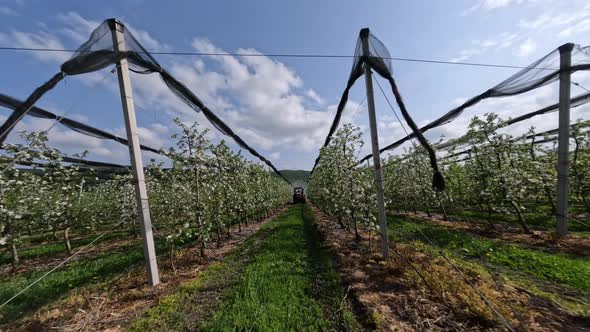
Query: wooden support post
565,52
364,35
149,251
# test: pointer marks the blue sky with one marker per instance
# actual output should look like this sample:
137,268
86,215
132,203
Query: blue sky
284,106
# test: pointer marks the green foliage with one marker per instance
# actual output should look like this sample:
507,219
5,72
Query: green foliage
340,188
208,188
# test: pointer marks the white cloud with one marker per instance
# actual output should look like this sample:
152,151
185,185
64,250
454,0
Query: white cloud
489,5
275,156
8,11
480,47
314,96
39,39
527,48
569,20
270,104
578,28
76,27
493,4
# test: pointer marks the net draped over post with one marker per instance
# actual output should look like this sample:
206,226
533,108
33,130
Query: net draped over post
98,53
540,73
379,59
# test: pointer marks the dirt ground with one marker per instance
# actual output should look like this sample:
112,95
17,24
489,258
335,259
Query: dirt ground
114,305
388,291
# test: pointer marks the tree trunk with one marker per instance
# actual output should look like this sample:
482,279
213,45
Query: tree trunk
134,226
521,220
442,207
490,222
15,259
545,186
202,249
67,241
339,220
356,230
218,235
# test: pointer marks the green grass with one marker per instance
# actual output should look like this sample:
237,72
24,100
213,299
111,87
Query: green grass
60,282
280,279
555,267
57,248
539,219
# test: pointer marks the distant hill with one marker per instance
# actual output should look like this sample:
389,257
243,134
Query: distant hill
298,178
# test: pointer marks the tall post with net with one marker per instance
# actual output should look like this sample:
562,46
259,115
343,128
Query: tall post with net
143,208
565,53
364,35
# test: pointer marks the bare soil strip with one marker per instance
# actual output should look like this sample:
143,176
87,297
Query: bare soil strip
398,300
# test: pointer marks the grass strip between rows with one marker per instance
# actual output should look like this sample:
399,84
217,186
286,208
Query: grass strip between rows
281,279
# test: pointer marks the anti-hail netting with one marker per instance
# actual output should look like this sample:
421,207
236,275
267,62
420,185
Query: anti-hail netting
99,52
378,58
540,73
82,128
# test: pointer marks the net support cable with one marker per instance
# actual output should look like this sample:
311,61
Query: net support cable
97,53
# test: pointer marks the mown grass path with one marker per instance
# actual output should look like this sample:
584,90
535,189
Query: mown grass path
281,279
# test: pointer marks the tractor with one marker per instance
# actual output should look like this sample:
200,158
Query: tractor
298,195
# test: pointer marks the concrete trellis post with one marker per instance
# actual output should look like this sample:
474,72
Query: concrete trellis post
375,145
149,251
565,52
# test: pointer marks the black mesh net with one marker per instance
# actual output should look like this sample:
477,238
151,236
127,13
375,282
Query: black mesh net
574,102
99,52
378,58
14,104
542,72
548,137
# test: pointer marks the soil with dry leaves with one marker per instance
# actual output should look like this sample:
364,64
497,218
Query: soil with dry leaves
437,298
112,305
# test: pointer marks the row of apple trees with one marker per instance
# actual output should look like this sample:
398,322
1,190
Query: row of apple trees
487,171
208,190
